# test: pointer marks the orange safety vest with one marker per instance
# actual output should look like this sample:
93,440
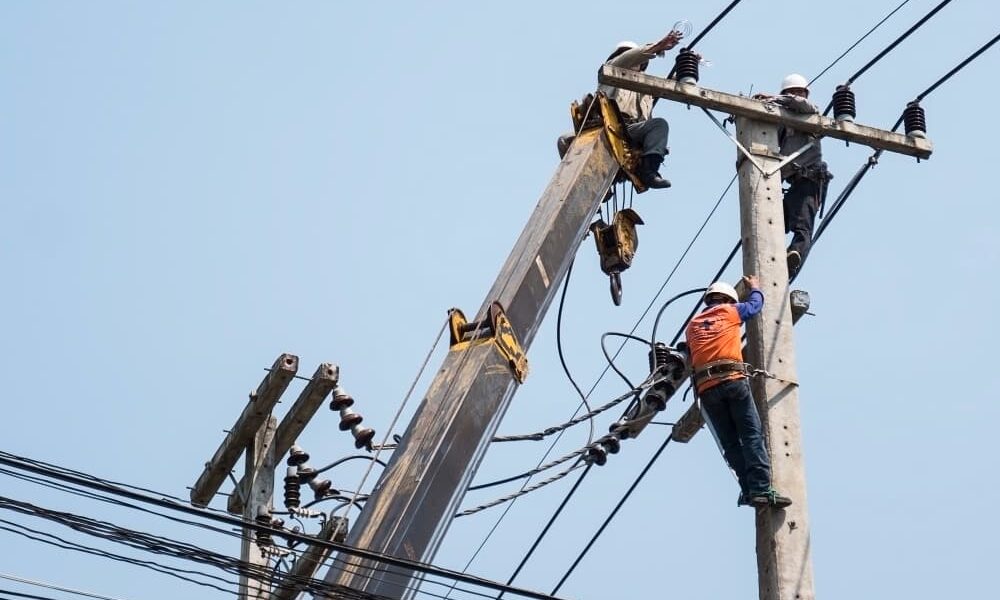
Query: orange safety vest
714,335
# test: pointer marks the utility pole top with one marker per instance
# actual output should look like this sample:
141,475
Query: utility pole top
262,402
758,110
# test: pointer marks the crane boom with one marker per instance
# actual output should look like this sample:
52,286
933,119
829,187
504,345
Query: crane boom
420,490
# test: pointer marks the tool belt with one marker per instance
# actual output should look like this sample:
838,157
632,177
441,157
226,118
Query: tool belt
817,172
718,369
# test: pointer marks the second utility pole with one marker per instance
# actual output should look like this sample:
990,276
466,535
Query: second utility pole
784,564
780,533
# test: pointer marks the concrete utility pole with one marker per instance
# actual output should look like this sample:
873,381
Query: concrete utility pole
260,461
784,563
265,441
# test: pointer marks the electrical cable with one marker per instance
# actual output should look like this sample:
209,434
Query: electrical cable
656,321
957,68
526,490
341,461
652,302
860,39
94,483
713,23
559,349
614,512
600,377
23,595
541,435
890,48
114,501
545,529
611,361
852,185
872,160
54,587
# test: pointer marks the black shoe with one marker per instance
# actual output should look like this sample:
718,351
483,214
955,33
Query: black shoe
794,263
648,174
771,498
743,500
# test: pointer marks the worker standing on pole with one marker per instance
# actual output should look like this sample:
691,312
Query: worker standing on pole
720,376
807,175
645,132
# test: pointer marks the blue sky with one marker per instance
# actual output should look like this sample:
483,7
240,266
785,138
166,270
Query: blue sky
189,189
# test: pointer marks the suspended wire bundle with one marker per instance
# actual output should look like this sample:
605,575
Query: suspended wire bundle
174,549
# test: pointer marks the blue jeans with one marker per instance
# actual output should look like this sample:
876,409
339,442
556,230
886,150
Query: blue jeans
730,408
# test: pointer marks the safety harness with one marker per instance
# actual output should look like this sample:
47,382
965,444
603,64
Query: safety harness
718,369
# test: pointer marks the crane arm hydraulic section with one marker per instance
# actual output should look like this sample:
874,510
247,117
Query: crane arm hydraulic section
413,503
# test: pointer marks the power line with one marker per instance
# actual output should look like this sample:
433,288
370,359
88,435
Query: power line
645,312
890,48
614,512
713,23
860,39
52,586
957,68
851,186
872,160
94,483
545,529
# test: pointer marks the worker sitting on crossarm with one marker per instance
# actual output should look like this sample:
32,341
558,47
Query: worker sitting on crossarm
713,338
645,132
807,175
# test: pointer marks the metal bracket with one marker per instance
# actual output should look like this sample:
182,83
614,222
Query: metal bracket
495,328
614,130
749,154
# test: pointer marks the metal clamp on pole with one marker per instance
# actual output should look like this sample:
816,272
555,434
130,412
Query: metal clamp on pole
495,328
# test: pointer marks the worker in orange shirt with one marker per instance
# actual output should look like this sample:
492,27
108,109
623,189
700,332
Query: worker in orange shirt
720,375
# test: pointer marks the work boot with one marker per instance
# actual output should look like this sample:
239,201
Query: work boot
794,263
743,499
770,498
649,165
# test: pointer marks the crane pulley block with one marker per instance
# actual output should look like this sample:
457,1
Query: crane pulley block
495,329
616,245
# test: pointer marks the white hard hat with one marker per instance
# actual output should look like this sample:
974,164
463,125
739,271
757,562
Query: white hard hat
721,287
622,47
794,81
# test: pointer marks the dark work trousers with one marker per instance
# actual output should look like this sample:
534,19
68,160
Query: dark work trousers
733,415
650,135
801,204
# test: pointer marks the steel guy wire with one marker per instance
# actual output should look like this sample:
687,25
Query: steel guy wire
399,412
526,490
